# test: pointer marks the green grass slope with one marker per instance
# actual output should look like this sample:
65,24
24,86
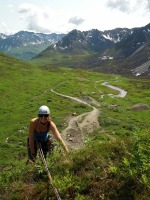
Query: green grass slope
27,52
95,61
56,59
114,162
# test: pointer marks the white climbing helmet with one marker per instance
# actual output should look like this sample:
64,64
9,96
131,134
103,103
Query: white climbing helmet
44,110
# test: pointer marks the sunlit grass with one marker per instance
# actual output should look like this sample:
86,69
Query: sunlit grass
114,162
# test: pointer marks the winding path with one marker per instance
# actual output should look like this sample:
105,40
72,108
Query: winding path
85,123
80,125
122,93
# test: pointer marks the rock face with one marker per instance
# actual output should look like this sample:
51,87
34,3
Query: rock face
140,107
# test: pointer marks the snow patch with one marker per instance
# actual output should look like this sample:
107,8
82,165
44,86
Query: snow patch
106,58
108,37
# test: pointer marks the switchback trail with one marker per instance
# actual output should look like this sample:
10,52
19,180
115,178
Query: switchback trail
85,123
80,125
122,93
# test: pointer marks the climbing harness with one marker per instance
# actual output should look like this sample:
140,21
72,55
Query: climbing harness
47,170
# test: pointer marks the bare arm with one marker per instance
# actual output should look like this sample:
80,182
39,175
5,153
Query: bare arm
58,136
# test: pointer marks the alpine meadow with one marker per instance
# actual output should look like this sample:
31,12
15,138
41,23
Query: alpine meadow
112,162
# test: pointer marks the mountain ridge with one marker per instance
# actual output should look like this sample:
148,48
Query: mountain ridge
116,51
25,45
112,51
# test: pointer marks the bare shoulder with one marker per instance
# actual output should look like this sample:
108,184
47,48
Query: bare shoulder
52,125
33,121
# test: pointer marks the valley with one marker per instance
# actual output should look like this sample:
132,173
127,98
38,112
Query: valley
108,136
119,51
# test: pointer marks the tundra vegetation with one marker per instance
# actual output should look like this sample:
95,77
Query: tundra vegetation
114,162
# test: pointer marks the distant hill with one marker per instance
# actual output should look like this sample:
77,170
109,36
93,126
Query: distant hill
124,41
25,45
120,50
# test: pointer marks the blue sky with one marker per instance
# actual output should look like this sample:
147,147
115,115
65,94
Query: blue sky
62,16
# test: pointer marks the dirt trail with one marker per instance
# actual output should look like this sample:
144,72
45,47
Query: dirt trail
80,125
85,123
122,93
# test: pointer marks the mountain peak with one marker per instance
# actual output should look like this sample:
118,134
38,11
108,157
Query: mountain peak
28,42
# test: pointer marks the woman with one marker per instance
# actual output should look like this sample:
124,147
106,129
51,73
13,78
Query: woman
39,129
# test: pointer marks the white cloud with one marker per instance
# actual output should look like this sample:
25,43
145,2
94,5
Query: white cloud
11,8
84,15
37,18
129,6
37,22
122,5
148,5
27,8
3,24
76,20
6,30
43,19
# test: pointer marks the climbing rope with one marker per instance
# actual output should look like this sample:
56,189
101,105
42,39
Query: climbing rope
47,170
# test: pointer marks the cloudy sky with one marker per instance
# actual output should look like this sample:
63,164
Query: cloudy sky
62,16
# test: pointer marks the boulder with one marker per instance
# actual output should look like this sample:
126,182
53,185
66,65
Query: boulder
140,106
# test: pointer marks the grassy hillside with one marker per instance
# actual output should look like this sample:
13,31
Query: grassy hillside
55,59
96,61
114,162
27,52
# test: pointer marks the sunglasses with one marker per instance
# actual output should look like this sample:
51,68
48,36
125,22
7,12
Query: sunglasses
44,115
